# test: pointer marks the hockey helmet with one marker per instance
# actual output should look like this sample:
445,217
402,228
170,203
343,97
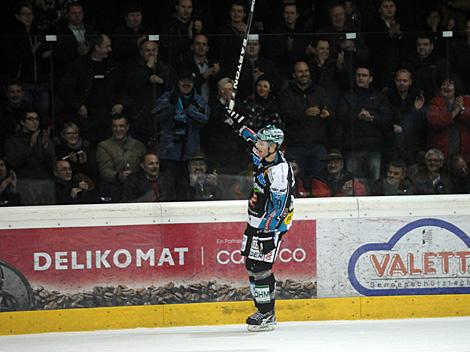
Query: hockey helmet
271,133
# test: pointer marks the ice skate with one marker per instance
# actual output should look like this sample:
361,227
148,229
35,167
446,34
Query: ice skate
261,321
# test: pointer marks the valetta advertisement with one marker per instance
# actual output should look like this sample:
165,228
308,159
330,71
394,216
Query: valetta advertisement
426,256
147,264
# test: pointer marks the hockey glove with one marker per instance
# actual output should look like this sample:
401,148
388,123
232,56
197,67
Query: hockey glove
267,242
233,118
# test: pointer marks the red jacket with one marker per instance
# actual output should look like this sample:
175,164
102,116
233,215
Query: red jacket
440,122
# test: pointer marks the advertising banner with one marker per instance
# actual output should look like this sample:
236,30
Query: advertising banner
148,264
396,256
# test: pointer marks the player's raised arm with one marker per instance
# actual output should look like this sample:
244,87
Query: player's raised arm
235,120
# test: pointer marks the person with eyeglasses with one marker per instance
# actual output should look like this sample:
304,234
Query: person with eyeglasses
30,152
77,151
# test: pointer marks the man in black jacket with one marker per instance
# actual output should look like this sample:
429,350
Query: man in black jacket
73,32
147,184
92,89
306,115
147,78
366,118
30,152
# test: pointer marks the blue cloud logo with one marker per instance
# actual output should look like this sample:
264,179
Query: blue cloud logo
416,288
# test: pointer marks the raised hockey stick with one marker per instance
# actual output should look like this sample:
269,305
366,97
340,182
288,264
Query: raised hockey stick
242,55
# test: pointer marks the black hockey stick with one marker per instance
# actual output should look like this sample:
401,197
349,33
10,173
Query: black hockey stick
242,56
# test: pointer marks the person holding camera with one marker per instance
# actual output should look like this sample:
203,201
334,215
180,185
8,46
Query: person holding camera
77,151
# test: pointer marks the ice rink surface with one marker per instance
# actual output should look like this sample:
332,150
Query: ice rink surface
439,335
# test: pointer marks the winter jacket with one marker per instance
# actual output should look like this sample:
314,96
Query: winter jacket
360,135
112,156
29,162
173,147
440,123
77,83
298,128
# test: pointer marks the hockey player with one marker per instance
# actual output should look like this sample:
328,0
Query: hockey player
270,210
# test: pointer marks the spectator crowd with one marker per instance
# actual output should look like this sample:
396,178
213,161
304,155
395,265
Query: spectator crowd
124,100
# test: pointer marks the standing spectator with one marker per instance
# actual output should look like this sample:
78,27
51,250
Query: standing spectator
366,118
426,66
77,151
460,56
130,34
305,112
204,67
335,181
262,108
179,31
409,125
254,65
219,141
147,184
229,41
432,180
12,110
396,183
92,89
434,25
386,39
182,113
147,79
30,152
8,192
200,184
448,120
27,59
327,72
288,43
72,31
354,51
117,157
72,188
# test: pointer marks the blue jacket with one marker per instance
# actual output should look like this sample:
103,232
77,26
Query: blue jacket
197,113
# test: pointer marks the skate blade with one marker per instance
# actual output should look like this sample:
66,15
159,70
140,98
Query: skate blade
257,328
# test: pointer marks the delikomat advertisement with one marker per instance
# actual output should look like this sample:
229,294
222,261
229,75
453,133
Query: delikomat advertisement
54,268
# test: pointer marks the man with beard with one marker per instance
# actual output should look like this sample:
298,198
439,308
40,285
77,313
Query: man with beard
200,185
147,185
335,181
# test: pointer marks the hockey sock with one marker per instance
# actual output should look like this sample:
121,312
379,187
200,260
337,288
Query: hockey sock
265,293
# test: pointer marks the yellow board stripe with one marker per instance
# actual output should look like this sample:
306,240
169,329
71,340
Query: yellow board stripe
220,313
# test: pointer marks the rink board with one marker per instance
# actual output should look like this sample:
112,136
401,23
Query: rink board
232,313
370,258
